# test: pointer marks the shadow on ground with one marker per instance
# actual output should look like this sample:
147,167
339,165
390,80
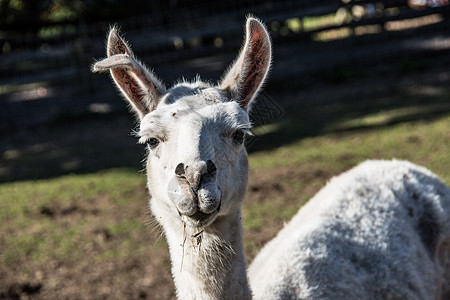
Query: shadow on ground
312,120
97,142
74,146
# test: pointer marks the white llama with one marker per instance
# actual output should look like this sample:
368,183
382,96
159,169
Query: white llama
378,231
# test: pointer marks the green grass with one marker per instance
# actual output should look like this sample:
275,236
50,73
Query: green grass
48,219
98,218
25,203
22,197
256,215
423,142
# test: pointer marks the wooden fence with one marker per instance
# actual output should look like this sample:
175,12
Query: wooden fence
42,80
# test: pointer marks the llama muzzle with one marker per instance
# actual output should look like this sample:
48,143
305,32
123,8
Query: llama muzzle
195,193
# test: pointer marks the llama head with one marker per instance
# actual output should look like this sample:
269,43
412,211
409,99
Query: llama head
197,165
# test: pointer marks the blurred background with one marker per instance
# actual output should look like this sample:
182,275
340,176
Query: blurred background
351,80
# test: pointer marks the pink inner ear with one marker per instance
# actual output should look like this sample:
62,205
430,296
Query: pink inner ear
256,63
256,35
131,88
120,48
116,45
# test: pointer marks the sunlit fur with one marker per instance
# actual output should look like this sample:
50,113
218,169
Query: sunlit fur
378,231
195,122
191,124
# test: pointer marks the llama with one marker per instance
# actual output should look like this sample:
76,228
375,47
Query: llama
378,231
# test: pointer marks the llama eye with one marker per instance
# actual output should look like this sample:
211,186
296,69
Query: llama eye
238,136
153,143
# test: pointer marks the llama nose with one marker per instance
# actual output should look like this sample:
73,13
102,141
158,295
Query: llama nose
194,173
210,167
179,170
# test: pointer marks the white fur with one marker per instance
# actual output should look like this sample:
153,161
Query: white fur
379,231
214,267
360,237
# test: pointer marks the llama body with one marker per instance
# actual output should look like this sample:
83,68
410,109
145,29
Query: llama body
380,231
374,232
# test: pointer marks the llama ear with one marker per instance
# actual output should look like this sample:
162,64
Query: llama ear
136,83
246,75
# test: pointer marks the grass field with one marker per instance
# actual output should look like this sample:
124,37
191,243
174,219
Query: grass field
89,235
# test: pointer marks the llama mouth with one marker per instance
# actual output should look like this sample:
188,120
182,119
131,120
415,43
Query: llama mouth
201,219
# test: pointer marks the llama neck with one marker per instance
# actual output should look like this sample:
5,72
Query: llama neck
210,264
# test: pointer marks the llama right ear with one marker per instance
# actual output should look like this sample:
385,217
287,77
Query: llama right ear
246,76
136,83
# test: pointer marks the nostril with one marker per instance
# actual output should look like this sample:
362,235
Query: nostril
210,167
179,170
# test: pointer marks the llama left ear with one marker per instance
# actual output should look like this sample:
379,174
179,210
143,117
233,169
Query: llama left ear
136,83
246,75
